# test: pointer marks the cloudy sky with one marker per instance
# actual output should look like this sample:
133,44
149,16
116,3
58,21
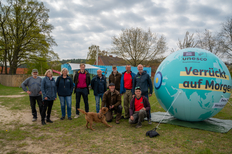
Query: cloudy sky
79,24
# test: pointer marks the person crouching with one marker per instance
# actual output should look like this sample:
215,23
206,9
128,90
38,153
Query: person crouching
139,108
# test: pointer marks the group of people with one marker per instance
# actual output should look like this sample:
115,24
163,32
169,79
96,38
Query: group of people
135,88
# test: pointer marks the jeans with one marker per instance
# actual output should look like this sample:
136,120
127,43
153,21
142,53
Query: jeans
33,100
47,106
63,101
97,99
84,93
150,109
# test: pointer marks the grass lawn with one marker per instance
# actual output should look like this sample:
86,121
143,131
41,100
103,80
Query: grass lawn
72,136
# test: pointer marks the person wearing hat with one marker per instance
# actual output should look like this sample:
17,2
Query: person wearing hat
112,100
139,108
34,91
115,77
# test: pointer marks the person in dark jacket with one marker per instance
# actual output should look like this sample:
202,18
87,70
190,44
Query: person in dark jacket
82,81
115,77
34,91
112,100
98,85
139,108
64,85
48,87
126,89
142,80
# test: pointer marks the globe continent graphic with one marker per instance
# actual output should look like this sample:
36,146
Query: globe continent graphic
192,84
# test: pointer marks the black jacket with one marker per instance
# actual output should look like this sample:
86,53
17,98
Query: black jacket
94,84
76,79
64,86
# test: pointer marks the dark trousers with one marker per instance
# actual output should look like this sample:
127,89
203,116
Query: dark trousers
47,106
33,100
117,111
148,100
84,93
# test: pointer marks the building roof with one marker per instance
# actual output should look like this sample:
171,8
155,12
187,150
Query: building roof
110,60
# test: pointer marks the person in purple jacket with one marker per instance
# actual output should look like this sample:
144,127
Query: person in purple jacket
139,108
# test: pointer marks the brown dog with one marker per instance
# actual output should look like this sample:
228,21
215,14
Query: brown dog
95,117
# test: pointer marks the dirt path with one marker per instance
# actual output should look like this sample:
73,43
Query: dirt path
24,116
12,96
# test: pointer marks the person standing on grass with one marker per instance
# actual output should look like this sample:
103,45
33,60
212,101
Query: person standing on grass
64,85
112,100
98,85
48,87
126,89
34,91
115,77
139,108
143,80
82,81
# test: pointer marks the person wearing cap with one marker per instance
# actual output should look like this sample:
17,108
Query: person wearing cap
112,100
139,108
115,77
98,85
82,81
34,91
126,89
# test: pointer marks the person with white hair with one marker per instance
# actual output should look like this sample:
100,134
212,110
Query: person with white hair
34,91
98,85
64,85
48,87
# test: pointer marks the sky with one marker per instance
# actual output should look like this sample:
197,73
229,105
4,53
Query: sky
78,24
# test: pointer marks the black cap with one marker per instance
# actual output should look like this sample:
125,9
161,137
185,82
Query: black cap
111,84
137,88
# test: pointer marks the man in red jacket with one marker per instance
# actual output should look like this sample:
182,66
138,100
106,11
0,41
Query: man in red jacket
139,108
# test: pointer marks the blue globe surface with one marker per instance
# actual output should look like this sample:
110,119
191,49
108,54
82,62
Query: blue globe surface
193,84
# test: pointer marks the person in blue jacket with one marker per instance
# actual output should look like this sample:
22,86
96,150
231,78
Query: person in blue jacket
98,85
126,89
64,85
48,88
143,80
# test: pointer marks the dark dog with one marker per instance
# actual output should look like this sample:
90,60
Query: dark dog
95,117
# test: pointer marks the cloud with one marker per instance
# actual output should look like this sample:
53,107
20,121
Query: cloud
80,23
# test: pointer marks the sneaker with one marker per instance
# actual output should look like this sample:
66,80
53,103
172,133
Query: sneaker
48,120
149,122
77,116
117,122
62,118
34,119
138,126
69,118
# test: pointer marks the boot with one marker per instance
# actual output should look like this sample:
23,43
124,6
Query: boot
49,120
43,122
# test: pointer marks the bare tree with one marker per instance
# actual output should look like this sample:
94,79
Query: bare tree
210,42
188,41
138,46
226,37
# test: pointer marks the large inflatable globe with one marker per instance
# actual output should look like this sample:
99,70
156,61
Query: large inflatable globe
192,84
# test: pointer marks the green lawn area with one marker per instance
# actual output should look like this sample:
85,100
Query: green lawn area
73,137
